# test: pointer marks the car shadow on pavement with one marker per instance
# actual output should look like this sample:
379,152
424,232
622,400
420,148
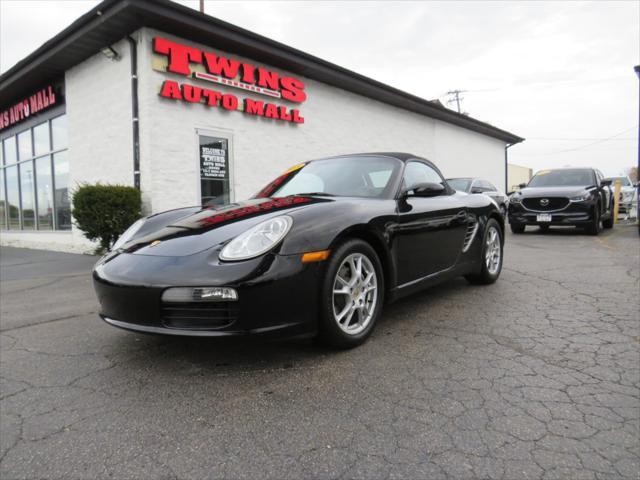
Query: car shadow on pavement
562,231
227,356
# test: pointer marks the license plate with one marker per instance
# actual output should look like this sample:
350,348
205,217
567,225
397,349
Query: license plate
544,217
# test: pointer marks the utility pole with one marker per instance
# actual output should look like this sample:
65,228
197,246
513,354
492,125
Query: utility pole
456,98
201,6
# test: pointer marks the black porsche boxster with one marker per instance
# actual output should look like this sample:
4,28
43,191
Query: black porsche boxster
318,251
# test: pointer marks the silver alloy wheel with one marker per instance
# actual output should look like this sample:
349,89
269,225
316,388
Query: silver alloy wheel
493,250
355,292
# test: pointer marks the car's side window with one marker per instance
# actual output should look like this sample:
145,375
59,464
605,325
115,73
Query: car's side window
416,173
490,186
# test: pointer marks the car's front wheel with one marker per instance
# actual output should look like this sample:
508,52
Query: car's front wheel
492,255
352,295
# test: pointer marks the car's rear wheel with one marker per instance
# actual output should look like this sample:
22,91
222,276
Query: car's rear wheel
492,255
517,227
594,226
352,295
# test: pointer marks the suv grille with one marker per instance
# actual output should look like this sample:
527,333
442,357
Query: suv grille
199,316
555,203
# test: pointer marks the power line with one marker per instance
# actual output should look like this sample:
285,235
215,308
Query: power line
456,98
601,140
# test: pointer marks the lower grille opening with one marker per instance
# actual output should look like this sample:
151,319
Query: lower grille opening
199,316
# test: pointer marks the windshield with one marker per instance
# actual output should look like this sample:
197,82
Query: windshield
572,177
460,184
364,176
623,180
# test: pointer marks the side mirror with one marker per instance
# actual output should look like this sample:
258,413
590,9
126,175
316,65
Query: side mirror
606,182
522,185
426,190
476,190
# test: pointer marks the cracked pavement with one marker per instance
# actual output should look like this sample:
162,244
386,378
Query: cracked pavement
536,376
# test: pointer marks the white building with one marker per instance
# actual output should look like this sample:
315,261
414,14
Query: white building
153,94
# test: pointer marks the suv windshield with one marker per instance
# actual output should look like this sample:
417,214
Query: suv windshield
623,180
460,184
570,177
358,176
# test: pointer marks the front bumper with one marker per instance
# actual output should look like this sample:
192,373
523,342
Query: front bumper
278,295
574,214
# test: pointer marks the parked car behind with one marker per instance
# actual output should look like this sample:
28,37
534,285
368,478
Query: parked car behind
579,197
627,193
479,185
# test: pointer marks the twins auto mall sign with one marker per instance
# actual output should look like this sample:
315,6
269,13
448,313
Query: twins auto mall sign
209,67
35,103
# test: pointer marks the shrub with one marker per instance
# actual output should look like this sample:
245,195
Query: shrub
104,212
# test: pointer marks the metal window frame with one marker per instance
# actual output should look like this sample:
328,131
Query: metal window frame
216,133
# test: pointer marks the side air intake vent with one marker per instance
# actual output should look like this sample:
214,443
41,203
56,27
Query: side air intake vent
472,229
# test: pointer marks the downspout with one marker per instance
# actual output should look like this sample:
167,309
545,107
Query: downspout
506,166
134,112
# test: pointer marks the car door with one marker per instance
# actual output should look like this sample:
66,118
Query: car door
430,230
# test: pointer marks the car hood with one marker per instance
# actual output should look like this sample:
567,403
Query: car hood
553,191
210,227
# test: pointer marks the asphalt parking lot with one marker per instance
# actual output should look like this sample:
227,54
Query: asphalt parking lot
537,376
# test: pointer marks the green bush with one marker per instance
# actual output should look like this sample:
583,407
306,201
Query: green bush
104,212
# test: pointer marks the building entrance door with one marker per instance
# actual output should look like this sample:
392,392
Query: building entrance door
215,185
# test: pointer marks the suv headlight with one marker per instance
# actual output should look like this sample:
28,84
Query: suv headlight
128,233
515,198
257,240
581,198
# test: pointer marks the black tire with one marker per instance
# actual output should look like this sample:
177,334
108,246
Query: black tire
594,226
608,223
329,332
517,228
486,277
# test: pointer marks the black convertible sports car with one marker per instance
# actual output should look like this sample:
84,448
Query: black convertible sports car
317,251
579,197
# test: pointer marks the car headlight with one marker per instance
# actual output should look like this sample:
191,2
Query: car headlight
257,240
515,199
128,233
581,198
626,196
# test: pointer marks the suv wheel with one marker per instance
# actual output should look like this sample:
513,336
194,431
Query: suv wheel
594,226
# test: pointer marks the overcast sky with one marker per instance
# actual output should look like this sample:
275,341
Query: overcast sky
559,74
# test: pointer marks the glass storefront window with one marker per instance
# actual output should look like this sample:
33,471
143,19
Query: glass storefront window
41,139
35,192
24,145
10,153
59,132
44,193
61,181
3,210
13,197
27,195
